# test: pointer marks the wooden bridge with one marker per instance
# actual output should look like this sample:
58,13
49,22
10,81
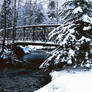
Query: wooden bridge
30,35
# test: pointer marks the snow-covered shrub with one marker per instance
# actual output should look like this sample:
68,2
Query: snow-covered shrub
74,35
5,53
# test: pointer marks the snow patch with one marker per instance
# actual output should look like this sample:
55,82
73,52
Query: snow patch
29,48
72,31
86,18
71,52
1,30
5,53
77,10
84,39
64,81
26,49
87,28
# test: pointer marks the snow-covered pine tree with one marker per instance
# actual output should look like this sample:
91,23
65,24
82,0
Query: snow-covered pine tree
20,13
52,11
74,36
38,14
33,13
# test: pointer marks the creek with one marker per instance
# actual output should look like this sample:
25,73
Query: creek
24,76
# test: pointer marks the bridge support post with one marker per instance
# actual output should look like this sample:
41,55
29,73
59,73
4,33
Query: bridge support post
44,30
24,34
33,35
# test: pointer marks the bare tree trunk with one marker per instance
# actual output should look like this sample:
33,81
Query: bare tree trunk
4,27
57,11
14,22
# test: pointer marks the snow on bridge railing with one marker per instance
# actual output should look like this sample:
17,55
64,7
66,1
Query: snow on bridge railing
29,26
30,32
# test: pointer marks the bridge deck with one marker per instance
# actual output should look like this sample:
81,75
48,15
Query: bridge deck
36,43
30,26
29,35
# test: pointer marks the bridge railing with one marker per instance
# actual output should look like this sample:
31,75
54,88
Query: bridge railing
30,32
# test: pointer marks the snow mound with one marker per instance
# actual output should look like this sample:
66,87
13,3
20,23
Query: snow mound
77,10
86,18
64,81
29,48
26,49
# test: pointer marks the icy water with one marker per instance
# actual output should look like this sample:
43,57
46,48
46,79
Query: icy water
24,76
22,80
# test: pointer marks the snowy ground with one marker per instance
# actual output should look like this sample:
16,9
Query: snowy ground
65,81
29,48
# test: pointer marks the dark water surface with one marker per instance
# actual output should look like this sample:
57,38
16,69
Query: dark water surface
22,80
24,76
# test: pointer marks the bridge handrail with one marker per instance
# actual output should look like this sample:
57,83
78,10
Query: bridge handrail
29,26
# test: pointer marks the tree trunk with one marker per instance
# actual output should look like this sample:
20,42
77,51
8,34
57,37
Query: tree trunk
4,27
14,22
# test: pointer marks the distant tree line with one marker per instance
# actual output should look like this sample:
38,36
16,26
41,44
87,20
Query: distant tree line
17,13
29,13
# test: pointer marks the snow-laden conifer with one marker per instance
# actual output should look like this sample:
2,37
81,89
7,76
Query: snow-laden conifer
74,36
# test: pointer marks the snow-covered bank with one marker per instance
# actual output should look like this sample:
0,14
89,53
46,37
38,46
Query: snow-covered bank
29,48
64,81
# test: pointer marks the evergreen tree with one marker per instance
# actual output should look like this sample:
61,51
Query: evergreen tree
20,13
38,15
74,36
33,13
52,12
